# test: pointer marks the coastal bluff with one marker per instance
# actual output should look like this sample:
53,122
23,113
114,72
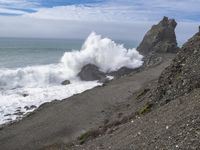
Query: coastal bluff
154,108
183,75
164,115
160,38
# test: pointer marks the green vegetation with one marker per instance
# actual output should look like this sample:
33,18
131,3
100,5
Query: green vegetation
146,108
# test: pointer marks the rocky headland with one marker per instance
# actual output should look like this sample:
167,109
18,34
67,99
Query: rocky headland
160,38
153,107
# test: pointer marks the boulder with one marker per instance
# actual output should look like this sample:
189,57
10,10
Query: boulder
183,75
160,38
91,72
66,82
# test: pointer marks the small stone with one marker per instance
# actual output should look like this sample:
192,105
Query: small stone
33,107
24,95
18,113
26,107
66,82
7,115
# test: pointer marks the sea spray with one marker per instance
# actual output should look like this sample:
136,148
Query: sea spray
35,85
104,53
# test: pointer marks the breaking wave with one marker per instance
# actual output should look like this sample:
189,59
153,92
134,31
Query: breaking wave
43,83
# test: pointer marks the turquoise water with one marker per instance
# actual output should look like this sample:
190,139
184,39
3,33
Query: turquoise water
21,52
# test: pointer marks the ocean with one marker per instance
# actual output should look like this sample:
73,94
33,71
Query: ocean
22,52
32,70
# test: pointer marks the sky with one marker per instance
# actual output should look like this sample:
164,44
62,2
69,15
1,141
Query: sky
118,19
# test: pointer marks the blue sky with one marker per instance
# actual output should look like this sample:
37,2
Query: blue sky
184,10
45,15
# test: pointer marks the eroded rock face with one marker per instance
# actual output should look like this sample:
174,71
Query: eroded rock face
183,75
160,38
91,72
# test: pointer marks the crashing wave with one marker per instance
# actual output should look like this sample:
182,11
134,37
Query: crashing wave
43,83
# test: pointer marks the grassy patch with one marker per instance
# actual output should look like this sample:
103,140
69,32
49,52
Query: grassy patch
145,109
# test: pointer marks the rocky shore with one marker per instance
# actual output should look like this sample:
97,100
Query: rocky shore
154,107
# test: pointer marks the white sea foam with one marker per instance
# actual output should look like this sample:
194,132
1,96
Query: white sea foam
104,53
35,85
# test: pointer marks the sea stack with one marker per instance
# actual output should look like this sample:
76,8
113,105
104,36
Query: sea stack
160,38
183,75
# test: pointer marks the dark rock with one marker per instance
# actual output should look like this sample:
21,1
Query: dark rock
24,95
66,82
183,75
26,107
33,107
7,115
91,72
160,38
123,71
18,113
30,108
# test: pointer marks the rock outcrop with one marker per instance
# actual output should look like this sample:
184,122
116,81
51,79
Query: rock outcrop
122,72
183,75
66,82
91,72
160,38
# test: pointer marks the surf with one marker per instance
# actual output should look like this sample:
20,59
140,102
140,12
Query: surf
34,85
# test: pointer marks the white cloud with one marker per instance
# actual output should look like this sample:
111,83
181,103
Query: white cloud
12,11
11,1
40,28
126,10
86,13
31,27
122,19
18,4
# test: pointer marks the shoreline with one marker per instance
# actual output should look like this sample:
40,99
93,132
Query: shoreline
64,121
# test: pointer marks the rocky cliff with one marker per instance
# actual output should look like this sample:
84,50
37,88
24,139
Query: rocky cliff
183,75
160,38
173,125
